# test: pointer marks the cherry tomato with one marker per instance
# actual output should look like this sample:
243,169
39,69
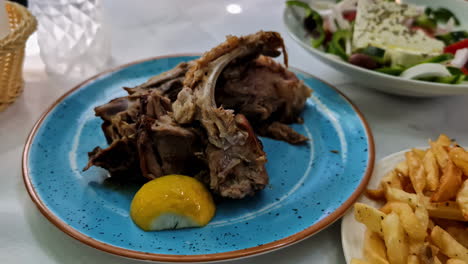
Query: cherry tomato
456,46
464,70
349,15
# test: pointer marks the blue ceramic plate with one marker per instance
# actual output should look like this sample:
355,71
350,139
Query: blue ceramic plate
310,186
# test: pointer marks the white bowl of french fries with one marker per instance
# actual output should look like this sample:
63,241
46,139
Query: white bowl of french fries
415,210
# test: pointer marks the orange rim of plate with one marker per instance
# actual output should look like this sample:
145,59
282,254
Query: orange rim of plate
287,241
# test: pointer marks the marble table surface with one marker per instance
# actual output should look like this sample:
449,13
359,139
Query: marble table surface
141,29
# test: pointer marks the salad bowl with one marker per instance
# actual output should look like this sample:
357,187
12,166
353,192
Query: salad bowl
293,19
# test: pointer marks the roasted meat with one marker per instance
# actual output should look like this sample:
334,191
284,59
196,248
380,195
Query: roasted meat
200,118
267,93
168,83
120,159
144,140
235,156
164,147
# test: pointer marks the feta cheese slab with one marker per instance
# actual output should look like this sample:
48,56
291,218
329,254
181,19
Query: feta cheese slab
381,24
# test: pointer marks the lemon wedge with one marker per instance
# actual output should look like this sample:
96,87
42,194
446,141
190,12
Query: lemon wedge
172,202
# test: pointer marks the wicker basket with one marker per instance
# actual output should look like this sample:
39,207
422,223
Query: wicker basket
22,25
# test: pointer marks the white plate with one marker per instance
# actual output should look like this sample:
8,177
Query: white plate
376,80
352,232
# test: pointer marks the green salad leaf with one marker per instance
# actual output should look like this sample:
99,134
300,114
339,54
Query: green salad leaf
313,22
319,39
453,37
437,59
454,70
395,71
452,79
300,4
377,54
441,15
456,77
337,44
425,21
374,52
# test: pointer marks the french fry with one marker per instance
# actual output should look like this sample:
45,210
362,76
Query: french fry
376,194
460,157
391,179
448,245
421,213
387,208
442,257
397,195
444,210
402,168
440,154
425,215
415,247
411,224
449,183
369,216
419,152
459,232
462,199
432,170
446,223
431,224
359,261
435,250
417,173
455,261
395,239
374,248
413,259
444,141
428,253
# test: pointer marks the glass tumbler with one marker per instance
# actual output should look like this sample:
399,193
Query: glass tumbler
72,37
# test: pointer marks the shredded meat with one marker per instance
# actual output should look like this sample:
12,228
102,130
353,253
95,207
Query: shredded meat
144,140
163,146
268,94
200,118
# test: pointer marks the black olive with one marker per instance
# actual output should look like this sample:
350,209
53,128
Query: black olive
363,60
310,24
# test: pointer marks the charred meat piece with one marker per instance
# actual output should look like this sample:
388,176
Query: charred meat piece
235,156
168,83
163,146
238,171
199,118
261,89
120,159
268,94
142,134
119,116
280,131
